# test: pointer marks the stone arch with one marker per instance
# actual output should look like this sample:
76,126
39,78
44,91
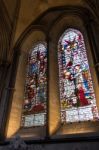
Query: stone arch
51,34
67,21
18,95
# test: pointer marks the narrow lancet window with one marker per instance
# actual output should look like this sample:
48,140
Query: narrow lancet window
77,97
35,95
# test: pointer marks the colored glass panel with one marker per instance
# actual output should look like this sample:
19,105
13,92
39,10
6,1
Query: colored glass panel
34,111
77,97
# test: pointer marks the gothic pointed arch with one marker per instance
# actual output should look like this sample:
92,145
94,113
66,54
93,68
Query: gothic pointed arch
31,120
35,92
77,96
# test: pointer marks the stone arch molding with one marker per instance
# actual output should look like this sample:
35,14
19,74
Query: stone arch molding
24,44
65,22
17,102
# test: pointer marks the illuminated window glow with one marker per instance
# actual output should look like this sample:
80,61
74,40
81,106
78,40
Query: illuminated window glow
77,97
34,111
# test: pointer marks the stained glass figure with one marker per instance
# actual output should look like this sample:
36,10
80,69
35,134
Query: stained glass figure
77,97
34,111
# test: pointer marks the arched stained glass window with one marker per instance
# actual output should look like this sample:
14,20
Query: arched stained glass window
77,97
35,96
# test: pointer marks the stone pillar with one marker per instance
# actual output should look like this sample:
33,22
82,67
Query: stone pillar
7,80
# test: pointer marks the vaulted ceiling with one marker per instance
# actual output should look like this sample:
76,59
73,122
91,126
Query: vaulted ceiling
23,13
29,10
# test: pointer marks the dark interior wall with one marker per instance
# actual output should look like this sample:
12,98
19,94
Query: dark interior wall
10,8
5,33
60,146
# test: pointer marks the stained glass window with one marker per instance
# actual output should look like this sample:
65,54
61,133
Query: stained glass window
77,97
35,95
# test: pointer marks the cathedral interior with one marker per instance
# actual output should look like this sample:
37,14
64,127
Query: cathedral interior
49,74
